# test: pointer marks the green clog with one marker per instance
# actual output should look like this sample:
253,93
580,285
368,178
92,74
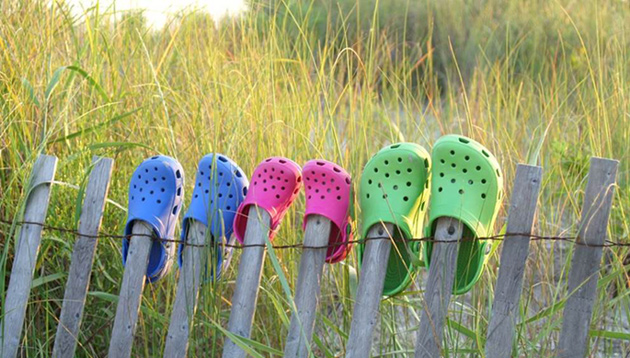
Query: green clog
467,185
394,188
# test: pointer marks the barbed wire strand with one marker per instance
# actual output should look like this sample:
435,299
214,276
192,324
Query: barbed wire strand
499,237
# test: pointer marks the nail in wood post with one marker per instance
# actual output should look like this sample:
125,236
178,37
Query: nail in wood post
248,280
308,287
586,260
187,292
507,292
370,290
82,258
437,295
131,290
27,248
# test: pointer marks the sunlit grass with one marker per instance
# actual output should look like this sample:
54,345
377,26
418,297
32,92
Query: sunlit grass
537,82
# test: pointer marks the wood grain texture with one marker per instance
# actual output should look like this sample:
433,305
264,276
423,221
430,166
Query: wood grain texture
131,291
586,260
27,248
308,287
507,292
82,258
187,292
437,294
370,290
248,280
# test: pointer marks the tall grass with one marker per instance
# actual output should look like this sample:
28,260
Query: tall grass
537,82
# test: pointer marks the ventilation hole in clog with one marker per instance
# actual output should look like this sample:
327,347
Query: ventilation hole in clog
485,153
321,164
296,191
426,184
268,160
317,190
196,196
230,196
454,165
338,197
161,189
395,146
133,197
470,182
478,168
452,152
397,172
338,188
379,185
175,209
323,197
265,170
370,181
399,160
179,191
461,191
206,191
375,170
442,161
498,173
282,172
199,184
282,188
273,187
386,162
159,201
328,190
464,170
439,189
139,176
244,191
367,195
299,179
441,175
409,170
347,180
464,140
395,187
178,174
282,161
146,182
143,199
337,169
154,179
146,170
151,192
135,186
405,198
323,183
453,180
277,196
273,169
229,208
323,175
386,175
483,181
483,195
264,189
408,183
384,196
154,157
271,177
466,158
309,197
264,181
238,173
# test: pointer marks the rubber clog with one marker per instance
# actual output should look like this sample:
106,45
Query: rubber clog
328,190
156,191
220,187
467,185
274,186
395,188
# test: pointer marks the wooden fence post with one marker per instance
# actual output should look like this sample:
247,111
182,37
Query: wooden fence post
131,291
437,294
26,251
372,279
187,292
587,259
507,292
248,280
82,258
308,287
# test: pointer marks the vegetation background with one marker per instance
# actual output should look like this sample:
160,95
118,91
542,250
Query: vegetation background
537,81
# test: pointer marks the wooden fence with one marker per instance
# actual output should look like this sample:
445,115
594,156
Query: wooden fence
578,309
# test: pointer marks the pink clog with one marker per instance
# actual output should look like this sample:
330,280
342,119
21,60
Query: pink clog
329,194
274,186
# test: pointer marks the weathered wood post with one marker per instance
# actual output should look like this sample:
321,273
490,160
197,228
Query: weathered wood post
509,285
370,290
248,279
308,287
187,292
437,294
587,259
27,247
131,290
82,258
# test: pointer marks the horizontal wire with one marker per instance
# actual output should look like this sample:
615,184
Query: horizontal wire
499,237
